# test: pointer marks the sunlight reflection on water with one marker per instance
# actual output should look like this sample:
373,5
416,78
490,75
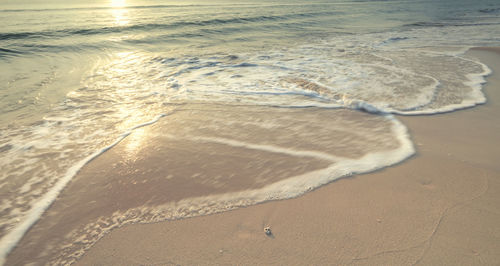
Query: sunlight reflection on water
121,16
118,3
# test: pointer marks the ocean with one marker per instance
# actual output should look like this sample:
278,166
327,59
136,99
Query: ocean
78,78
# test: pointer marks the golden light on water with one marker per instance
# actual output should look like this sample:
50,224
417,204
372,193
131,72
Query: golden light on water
119,13
118,3
122,76
134,142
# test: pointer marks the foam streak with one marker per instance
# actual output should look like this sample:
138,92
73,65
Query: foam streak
275,149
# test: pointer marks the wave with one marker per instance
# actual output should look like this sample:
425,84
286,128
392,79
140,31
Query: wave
83,8
4,52
157,26
96,8
490,10
427,24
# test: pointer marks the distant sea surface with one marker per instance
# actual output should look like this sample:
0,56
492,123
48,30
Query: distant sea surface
76,75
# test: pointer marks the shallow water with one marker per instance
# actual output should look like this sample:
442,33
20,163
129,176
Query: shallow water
84,79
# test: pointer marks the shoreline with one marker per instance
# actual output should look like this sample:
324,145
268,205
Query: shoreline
362,224
438,207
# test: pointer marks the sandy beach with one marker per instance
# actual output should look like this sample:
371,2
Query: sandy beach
165,132
441,207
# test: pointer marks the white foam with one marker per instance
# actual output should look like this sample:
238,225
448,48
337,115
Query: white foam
473,98
9,241
272,148
393,79
372,161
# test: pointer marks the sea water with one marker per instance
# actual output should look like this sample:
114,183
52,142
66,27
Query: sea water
77,78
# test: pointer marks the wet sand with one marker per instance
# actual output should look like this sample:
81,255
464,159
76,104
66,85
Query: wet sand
441,207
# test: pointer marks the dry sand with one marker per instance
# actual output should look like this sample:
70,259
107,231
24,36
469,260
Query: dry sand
441,207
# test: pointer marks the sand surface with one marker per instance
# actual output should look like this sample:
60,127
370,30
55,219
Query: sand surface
441,207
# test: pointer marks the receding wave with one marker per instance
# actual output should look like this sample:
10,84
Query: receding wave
327,144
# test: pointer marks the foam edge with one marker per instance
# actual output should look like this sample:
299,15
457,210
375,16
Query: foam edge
476,96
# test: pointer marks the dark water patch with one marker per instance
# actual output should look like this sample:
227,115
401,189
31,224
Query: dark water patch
5,148
34,48
4,52
395,39
22,35
490,10
388,41
245,65
424,24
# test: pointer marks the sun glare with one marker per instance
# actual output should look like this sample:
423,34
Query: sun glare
118,12
118,3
